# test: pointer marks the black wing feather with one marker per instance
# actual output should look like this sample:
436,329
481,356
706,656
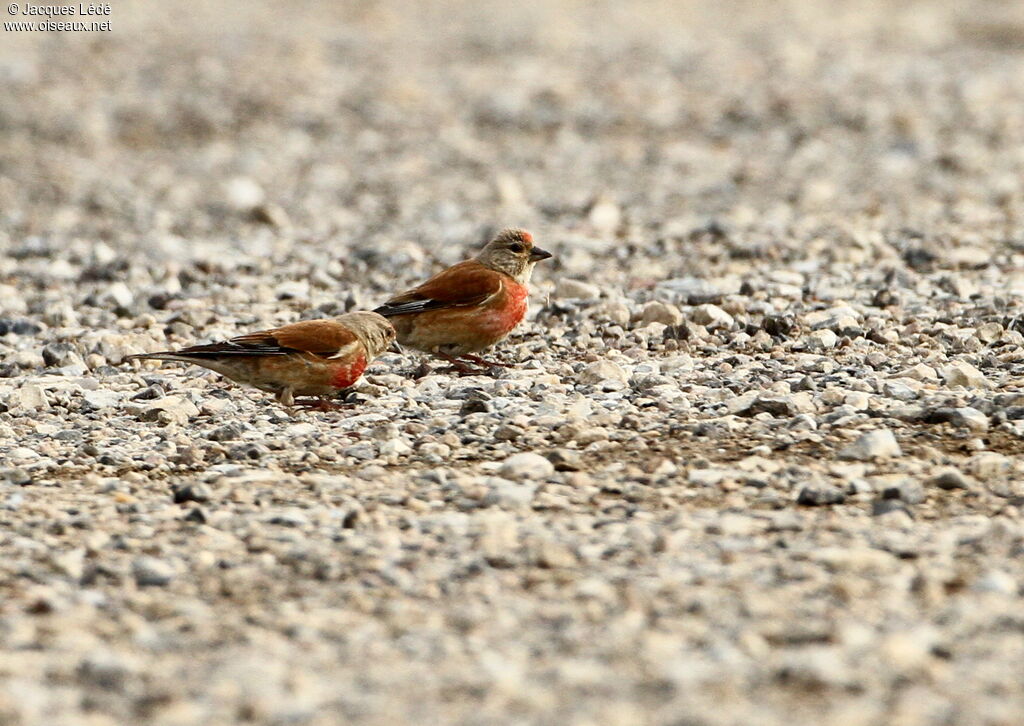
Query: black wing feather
389,310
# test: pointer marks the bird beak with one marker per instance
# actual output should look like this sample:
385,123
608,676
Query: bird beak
537,254
395,347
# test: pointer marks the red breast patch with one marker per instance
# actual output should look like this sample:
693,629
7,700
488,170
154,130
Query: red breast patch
347,374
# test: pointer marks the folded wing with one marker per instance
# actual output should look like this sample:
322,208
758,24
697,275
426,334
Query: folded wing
323,338
467,283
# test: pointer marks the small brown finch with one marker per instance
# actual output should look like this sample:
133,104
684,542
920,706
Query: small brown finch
316,358
470,306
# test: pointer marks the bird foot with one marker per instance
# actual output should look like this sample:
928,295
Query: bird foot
484,362
480,366
319,404
462,370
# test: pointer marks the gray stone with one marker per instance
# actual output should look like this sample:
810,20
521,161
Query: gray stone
526,465
822,340
872,445
961,373
660,312
568,288
818,495
565,460
712,317
508,494
603,370
951,478
151,572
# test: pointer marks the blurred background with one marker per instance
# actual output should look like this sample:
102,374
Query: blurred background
298,130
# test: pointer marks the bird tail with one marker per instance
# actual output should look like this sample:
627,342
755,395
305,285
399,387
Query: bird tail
162,355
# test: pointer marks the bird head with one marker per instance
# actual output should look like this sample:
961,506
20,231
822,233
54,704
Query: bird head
512,251
373,330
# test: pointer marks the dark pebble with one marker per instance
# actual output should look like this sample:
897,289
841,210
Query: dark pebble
909,492
818,496
191,493
885,506
57,354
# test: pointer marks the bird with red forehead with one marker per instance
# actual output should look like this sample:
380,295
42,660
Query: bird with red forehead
470,306
313,358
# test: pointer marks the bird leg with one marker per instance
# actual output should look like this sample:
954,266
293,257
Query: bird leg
457,365
285,397
484,362
319,404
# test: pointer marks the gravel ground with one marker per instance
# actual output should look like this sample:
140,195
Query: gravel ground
760,462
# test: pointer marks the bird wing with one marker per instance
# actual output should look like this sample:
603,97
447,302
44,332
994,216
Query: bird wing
467,283
324,338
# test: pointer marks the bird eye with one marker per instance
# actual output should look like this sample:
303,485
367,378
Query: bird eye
516,247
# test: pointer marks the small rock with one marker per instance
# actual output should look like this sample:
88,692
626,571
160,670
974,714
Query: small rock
71,563
303,428
58,354
576,290
951,478
397,446
872,445
19,327
659,312
988,465
228,432
964,374
909,491
565,459
551,554
293,290
118,296
174,408
822,340
526,465
697,291
603,370
288,517
151,572
101,400
920,372
254,452
989,332
818,495
508,432
899,391
195,515
969,256
777,405
243,193
150,393
711,317
192,492
270,214
881,507
104,670
28,359
969,418
997,581
17,477
508,494
30,397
